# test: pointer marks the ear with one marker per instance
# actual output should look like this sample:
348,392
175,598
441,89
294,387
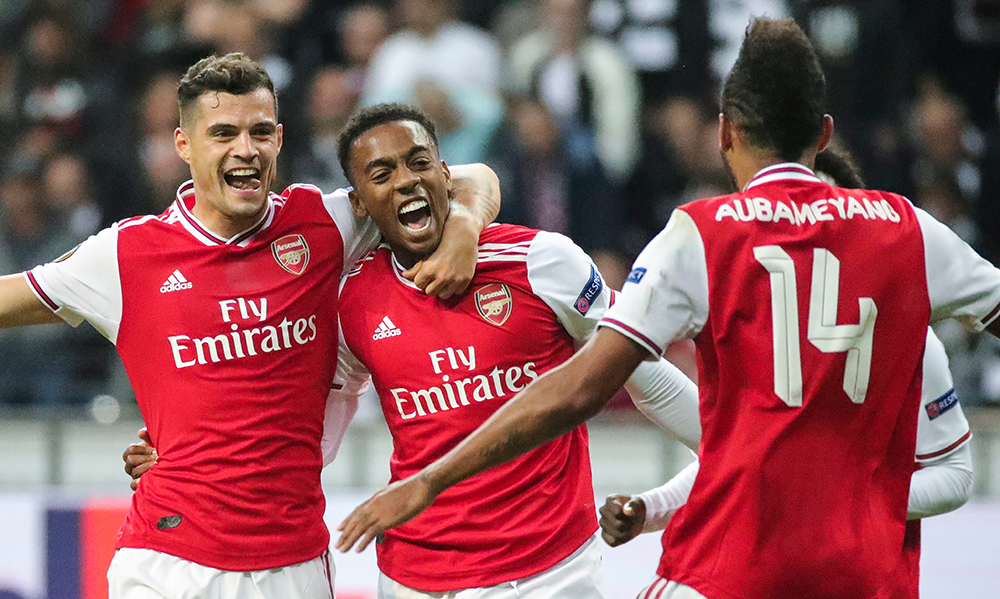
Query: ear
357,205
826,135
447,174
280,131
725,133
182,145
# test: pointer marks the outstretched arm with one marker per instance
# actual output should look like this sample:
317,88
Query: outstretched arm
19,306
551,406
475,203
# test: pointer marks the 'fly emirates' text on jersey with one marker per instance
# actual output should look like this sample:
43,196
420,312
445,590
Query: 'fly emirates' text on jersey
441,368
228,345
809,305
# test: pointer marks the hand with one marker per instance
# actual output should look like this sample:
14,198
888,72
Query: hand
139,457
450,269
622,518
398,503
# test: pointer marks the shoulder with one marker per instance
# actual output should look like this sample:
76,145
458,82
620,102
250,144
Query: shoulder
299,192
367,266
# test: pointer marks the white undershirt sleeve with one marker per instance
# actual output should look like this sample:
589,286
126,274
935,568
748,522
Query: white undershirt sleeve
85,283
663,501
942,485
668,398
961,284
568,282
349,384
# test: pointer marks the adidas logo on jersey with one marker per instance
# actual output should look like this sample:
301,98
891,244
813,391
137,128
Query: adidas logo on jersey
386,329
175,282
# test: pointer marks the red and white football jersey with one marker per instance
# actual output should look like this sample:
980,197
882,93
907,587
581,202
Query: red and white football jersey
228,344
441,368
809,305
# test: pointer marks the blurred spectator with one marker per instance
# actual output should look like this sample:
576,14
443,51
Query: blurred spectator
52,91
680,163
546,188
36,367
866,97
667,42
587,84
162,170
365,28
450,69
332,99
68,195
947,143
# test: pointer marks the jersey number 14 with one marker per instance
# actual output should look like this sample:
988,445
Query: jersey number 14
824,332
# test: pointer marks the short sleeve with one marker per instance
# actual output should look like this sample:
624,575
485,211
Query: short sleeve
84,284
665,297
360,234
961,284
349,384
566,279
941,425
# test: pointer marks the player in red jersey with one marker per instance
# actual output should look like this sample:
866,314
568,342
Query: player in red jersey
809,306
442,367
942,481
224,311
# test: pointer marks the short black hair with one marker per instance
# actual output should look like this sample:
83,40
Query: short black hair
776,91
373,116
235,73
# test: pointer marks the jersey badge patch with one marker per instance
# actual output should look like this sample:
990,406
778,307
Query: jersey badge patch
636,275
590,292
942,404
292,253
494,303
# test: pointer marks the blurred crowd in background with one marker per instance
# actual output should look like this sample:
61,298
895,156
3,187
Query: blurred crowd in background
599,116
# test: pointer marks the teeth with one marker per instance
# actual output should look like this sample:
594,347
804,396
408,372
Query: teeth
243,172
417,205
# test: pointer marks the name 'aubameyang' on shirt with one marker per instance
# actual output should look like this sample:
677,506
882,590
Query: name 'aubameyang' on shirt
768,210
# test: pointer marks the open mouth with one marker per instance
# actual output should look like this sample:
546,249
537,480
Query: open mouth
243,179
415,215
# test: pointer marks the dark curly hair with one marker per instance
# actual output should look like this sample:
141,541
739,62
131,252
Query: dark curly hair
373,116
776,91
235,73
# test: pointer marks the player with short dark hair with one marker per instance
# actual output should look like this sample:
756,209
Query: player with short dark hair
809,306
442,368
224,310
943,475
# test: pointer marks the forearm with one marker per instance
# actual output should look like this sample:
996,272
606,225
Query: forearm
663,501
668,398
19,306
941,486
475,187
551,406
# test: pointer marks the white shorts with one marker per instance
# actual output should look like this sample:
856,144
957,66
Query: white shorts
668,589
579,576
148,574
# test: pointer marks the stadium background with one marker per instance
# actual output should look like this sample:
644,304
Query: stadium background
601,146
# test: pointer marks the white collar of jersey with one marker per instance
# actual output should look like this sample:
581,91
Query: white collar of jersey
185,195
398,269
786,171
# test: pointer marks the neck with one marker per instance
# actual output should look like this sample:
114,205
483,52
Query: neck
747,164
409,259
223,225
